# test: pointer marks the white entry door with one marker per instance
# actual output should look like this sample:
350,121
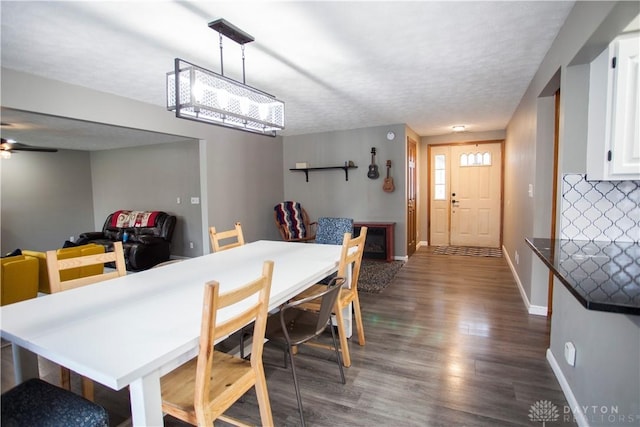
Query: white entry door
476,194
465,206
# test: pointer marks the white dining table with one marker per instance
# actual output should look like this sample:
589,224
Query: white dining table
132,330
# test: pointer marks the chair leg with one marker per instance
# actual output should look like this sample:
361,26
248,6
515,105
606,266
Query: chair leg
342,333
263,398
65,378
358,316
337,350
87,389
242,343
87,384
295,383
285,355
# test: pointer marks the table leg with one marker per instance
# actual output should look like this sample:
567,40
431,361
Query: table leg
146,401
348,319
25,364
346,312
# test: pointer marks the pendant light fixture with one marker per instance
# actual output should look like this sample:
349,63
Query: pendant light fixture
196,93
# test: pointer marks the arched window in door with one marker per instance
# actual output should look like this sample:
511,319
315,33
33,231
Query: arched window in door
475,159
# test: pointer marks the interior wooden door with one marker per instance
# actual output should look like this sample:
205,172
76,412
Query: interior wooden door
476,194
411,196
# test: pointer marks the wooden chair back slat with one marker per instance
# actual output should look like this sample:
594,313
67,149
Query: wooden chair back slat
55,266
218,236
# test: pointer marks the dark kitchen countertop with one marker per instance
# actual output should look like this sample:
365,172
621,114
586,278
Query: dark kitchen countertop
603,276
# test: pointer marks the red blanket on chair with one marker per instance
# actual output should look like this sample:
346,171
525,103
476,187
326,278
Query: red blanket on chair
128,219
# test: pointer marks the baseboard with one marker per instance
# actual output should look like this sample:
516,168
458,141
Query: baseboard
537,310
401,258
578,415
422,243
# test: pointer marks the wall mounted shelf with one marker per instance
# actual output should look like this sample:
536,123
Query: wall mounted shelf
306,170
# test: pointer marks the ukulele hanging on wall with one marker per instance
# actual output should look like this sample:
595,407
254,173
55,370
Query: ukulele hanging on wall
388,186
373,168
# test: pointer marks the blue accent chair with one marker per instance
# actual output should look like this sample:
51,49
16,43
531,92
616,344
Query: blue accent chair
331,230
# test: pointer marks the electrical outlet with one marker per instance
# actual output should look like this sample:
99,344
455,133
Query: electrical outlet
570,353
190,245
178,200
195,200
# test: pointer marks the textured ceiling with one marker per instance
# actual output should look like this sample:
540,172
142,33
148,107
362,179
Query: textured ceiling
336,65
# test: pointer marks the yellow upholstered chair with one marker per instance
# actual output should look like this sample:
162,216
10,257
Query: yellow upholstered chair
57,267
73,273
201,390
18,279
218,236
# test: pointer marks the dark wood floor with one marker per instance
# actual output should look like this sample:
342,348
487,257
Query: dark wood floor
449,343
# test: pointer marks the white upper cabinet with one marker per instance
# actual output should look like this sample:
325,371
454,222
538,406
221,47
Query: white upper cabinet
613,139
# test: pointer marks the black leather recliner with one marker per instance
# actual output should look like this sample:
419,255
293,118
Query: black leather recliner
146,245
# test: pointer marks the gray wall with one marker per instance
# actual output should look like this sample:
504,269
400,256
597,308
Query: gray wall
225,156
151,178
244,182
607,370
45,199
328,194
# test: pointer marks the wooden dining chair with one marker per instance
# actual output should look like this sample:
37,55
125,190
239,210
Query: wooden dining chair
201,390
217,246
56,266
350,257
218,236
293,222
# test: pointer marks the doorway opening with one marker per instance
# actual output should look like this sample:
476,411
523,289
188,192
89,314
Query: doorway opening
465,194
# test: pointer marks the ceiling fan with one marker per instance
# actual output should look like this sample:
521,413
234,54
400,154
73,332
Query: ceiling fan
8,146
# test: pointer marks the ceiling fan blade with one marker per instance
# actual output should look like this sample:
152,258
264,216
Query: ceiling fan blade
38,149
17,146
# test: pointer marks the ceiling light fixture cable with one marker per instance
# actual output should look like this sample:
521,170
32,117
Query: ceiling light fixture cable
202,95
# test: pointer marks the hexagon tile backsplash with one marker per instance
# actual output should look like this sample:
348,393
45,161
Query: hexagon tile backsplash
600,210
